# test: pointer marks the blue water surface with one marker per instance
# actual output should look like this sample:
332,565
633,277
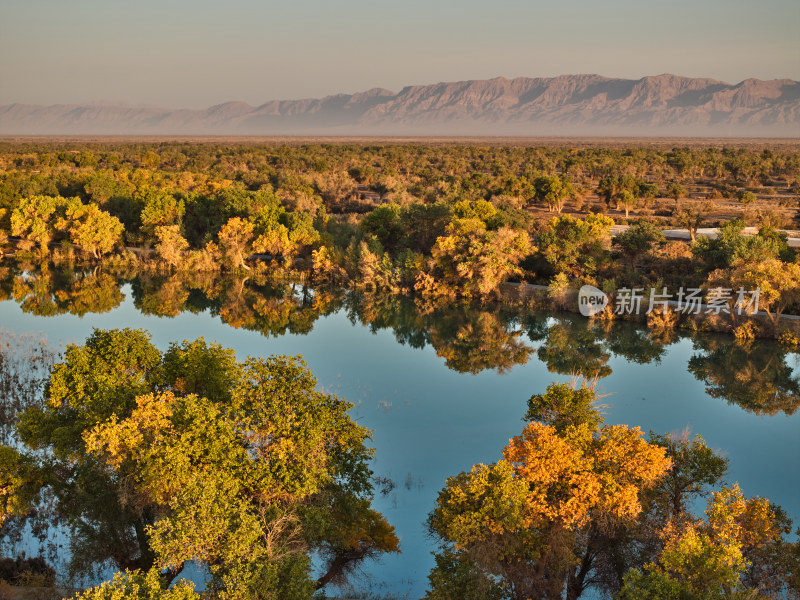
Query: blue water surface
430,422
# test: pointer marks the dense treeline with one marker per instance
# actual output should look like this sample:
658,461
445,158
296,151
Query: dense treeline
155,459
437,221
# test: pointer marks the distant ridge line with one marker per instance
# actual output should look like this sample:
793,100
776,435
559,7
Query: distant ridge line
566,105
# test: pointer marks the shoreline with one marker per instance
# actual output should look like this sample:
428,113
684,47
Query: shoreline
719,323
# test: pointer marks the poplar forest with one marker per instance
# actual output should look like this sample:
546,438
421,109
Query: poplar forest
139,467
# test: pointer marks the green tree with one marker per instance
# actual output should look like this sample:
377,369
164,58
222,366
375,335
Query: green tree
778,283
676,191
473,261
302,233
135,585
236,242
692,217
638,239
608,188
171,244
424,223
563,406
731,246
613,187
646,192
384,222
628,200
710,559
477,209
746,198
92,229
577,247
36,218
553,191
102,186
538,521
159,208
695,469
281,233
160,459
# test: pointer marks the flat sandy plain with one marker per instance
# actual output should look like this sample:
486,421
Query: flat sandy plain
785,144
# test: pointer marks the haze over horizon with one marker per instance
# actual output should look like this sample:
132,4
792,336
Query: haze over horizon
182,54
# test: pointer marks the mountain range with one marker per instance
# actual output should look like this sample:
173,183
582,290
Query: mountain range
569,105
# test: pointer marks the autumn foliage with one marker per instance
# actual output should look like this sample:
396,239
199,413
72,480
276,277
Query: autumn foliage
575,505
158,459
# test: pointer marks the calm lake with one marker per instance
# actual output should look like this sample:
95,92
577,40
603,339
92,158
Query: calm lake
445,389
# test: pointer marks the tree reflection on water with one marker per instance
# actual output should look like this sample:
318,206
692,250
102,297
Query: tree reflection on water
757,376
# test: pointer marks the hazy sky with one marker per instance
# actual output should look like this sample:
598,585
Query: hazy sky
195,53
